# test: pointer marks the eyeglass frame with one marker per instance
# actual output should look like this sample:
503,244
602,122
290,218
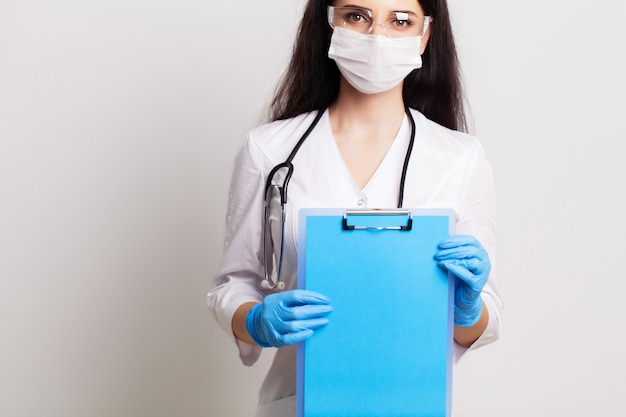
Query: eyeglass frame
331,13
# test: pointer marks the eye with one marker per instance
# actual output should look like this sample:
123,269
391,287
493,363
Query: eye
401,21
355,17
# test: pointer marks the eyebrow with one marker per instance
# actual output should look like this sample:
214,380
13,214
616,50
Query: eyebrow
404,11
356,6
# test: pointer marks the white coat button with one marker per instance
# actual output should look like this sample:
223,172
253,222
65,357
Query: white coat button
360,202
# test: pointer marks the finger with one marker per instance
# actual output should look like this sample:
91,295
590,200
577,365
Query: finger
310,311
293,338
458,271
286,313
472,281
302,297
474,265
461,252
458,240
302,312
301,325
313,324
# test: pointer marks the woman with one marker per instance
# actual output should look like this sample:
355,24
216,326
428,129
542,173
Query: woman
363,76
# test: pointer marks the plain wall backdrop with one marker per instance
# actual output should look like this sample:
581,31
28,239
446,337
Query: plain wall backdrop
119,122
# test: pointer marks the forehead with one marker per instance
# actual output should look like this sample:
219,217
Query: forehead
382,5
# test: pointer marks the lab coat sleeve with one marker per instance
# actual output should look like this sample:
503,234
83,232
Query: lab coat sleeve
478,218
241,270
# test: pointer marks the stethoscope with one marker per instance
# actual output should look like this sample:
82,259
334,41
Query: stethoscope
272,278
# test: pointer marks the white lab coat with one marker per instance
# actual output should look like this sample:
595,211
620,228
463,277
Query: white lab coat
448,169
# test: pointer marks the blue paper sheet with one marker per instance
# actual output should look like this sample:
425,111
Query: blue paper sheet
387,350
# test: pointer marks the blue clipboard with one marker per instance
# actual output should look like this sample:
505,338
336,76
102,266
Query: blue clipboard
387,350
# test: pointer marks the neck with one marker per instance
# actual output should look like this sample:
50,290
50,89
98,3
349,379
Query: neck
378,112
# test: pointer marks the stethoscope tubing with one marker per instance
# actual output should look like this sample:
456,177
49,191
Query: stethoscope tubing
288,164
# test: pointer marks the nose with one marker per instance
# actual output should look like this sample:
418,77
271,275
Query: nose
378,29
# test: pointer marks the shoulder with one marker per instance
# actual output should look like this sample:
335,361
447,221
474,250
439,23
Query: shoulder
428,127
276,139
440,138
270,144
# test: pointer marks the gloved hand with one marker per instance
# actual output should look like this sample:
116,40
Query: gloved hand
468,261
287,317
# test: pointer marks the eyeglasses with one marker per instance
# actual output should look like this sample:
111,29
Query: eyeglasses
274,226
398,24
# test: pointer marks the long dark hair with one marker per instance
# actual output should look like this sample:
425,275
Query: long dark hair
312,79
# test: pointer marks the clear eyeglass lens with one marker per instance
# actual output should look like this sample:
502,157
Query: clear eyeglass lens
396,24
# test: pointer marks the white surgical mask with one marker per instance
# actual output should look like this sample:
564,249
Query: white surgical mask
374,63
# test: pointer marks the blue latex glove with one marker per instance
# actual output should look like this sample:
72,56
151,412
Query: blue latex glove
288,317
468,261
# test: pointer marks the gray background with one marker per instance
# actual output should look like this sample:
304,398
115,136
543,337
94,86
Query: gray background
119,121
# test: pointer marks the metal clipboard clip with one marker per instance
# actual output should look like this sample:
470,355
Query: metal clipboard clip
353,216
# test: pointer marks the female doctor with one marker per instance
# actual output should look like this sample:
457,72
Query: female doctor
368,115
